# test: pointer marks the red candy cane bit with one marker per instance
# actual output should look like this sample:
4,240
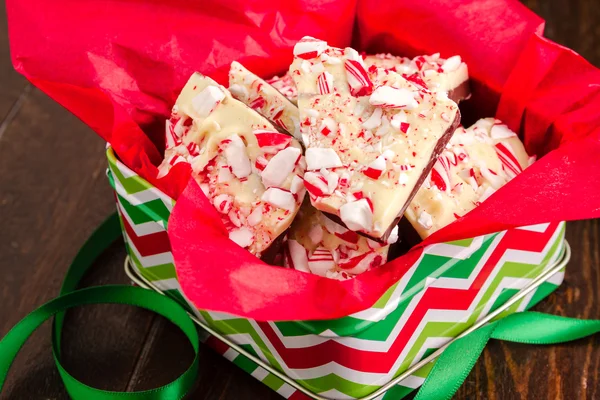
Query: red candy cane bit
372,173
416,79
261,163
257,103
358,79
353,262
325,83
404,127
348,236
193,149
309,55
272,139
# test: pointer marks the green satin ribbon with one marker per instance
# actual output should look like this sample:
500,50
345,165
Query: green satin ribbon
446,376
455,363
119,294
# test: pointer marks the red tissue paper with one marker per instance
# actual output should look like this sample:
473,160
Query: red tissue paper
119,65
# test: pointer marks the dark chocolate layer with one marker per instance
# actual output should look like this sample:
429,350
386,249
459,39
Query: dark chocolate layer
461,92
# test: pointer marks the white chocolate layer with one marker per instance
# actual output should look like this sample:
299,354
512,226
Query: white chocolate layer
477,162
264,98
373,134
435,73
230,147
322,247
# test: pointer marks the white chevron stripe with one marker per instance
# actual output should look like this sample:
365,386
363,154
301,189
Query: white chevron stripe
335,394
454,251
541,228
167,284
286,390
128,173
144,196
246,339
143,229
260,373
430,343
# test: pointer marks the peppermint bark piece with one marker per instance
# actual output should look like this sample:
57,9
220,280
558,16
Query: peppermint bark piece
263,98
369,144
437,74
320,246
285,85
478,161
251,173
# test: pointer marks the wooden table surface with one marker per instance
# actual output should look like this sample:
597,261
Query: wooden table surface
53,192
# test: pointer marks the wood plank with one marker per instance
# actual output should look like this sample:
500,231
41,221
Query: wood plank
168,354
54,193
11,82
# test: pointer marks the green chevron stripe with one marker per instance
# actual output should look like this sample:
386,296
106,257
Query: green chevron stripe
383,300
332,381
273,382
132,185
243,326
151,211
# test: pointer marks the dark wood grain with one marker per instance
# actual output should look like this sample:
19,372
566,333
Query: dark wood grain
44,150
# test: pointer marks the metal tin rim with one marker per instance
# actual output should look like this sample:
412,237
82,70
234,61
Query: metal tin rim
560,263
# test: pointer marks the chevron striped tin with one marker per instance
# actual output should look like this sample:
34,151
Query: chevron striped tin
448,289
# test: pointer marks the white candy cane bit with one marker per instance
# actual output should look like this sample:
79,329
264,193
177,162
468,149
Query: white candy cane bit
425,220
224,175
501,131
207,100
316,184
315,234
374,120
305,66
298,256
223,203
297,184
403,178
325,83
388,154
496,181
330,60
280,167
357,215
390,97
487,193
279,198
240,92
255,216
237,157
243,236
320,261
393,237
451,64
317,158
309,47
375,169
328,127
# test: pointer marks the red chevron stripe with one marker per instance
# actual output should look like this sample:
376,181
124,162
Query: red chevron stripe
147,245
217,345
433,298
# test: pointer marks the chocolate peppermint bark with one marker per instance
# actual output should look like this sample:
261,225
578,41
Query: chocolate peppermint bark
249,171
478,161
263,98
371,137
437,74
